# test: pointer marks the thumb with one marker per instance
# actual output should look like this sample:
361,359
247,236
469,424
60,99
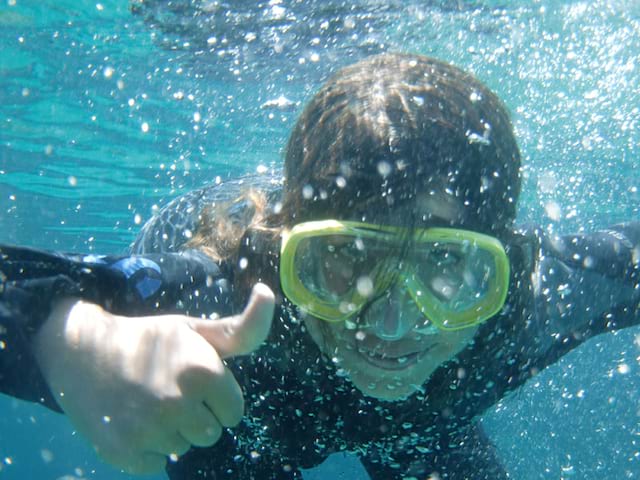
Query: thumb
243,333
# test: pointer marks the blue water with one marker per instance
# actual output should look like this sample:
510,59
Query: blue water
103,117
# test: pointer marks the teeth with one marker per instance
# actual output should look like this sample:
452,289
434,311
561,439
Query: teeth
374,355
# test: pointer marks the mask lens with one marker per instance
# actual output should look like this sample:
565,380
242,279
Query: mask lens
458,276
335,267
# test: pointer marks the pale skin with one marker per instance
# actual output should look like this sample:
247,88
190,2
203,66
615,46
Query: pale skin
388,370
144,389
147,388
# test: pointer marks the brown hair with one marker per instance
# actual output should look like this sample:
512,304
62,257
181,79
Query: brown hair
220,230
378,133
392,126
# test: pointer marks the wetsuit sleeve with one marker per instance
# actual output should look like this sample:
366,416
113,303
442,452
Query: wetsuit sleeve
612,253
32,280
587,284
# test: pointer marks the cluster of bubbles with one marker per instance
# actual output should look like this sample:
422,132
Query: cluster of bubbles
226,81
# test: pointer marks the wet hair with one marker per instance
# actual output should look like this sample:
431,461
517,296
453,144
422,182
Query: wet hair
393,126
377,135
223,225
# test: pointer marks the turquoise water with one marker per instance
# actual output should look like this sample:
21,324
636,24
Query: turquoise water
106,113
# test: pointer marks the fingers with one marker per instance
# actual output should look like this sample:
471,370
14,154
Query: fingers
173,444
201,428
210,398
241,334
225,400
216,389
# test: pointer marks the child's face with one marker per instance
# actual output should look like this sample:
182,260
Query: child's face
393,369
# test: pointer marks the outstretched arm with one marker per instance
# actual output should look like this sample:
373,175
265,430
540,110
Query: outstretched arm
583,285
582,279
613,253
138,388
32,281
146,388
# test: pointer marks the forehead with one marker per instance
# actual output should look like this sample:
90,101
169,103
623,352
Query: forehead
437,208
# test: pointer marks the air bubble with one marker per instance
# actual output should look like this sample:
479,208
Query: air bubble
364,286
384,169
553,211
475,97
47,455
623,368
307,192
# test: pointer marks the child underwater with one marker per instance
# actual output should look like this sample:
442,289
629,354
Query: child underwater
406,301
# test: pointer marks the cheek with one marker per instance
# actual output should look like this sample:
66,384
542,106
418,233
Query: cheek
454,342
322,334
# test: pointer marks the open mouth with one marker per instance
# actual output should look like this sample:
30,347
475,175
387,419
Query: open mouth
388,362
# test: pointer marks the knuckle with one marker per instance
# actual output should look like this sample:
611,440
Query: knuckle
181,449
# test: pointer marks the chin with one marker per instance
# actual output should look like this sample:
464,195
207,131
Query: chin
387,371
384,384
388,390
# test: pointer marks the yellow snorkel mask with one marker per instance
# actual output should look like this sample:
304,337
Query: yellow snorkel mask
332,269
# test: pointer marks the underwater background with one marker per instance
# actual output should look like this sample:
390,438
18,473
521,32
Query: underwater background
110,108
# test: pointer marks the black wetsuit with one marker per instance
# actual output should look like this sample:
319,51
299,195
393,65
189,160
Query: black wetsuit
299,406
